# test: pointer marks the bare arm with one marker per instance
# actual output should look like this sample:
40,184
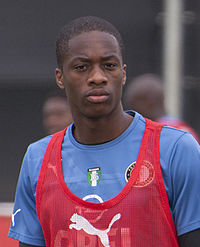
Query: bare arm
190,239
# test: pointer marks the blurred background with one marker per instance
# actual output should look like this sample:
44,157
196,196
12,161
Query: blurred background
160,37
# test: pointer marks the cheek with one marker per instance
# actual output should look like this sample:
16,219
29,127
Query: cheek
74,93
117,91
70,86
119,81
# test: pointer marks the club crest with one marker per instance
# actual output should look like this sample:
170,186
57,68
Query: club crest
146,174
129,170
94,176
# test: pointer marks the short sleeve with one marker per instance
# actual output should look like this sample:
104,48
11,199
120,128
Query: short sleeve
25,225
183,183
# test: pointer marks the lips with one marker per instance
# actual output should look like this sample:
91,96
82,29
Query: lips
97,96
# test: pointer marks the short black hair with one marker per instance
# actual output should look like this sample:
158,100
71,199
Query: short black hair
81,25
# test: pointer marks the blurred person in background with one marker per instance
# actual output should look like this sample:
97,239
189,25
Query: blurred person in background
56,112
145,94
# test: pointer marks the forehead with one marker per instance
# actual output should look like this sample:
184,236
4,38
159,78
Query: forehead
93,43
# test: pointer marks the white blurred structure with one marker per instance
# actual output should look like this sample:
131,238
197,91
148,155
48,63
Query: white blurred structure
173,55
6,208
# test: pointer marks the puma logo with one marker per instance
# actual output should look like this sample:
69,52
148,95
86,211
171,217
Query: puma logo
13,216
82,223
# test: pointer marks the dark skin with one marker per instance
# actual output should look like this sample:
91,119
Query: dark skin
92,76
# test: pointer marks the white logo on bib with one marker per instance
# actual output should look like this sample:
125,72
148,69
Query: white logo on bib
82,223
13,216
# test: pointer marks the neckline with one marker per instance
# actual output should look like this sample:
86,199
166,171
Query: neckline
107,144
108,203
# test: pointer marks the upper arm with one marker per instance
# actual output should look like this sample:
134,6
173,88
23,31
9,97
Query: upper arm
180,161
185,179
25,225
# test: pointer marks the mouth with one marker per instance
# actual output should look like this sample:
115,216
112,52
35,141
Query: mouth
97,96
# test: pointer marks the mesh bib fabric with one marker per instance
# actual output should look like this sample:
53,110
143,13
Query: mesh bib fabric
138,216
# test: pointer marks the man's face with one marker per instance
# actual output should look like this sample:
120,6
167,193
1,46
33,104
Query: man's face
93,74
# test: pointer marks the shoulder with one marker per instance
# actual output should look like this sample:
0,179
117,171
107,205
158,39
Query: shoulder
173,139
179,124
34,155
39,146
179,151
35,152
32,161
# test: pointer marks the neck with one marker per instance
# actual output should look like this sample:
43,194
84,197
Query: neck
98,131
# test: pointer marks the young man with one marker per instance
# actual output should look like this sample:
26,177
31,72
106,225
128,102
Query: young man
112,178
145,94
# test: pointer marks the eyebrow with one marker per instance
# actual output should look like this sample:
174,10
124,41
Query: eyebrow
110,57
85,59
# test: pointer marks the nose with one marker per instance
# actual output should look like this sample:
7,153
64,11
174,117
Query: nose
97,76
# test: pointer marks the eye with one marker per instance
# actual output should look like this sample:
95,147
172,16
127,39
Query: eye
110,66
81,67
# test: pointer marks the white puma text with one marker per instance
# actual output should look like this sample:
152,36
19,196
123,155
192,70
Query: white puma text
82,223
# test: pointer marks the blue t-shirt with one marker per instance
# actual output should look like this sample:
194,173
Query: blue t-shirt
180,164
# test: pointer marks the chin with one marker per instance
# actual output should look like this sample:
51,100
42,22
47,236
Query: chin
97,113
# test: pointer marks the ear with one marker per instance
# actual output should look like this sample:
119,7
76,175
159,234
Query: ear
59,78
124,74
